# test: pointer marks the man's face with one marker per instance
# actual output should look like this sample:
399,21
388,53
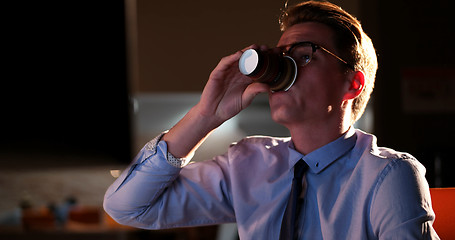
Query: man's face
317,94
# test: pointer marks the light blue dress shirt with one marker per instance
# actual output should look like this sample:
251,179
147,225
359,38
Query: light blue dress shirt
352,190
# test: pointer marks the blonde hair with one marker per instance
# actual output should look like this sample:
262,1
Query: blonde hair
351,42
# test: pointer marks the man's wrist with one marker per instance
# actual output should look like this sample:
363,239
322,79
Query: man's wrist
171,159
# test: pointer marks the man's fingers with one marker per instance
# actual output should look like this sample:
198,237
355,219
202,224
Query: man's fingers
252,91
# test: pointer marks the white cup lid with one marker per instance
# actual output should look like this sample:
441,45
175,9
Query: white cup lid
248,61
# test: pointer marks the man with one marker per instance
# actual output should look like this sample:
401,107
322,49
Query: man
352,189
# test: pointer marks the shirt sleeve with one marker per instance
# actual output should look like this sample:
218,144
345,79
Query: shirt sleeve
401,206
160,191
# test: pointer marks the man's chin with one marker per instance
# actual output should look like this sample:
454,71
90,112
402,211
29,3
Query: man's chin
279,116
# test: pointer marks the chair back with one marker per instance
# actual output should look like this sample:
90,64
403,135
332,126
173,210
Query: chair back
443,201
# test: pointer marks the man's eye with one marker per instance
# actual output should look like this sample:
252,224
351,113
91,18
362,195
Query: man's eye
304,58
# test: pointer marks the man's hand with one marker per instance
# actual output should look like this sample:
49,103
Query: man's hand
226,93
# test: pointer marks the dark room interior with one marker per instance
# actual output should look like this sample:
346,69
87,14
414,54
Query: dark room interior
74,76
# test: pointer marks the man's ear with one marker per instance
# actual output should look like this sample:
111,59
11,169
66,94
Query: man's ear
356,85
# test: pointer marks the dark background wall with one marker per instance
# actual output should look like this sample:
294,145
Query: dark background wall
64,86
414,98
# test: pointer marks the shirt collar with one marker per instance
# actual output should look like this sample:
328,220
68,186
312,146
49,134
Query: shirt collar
322,157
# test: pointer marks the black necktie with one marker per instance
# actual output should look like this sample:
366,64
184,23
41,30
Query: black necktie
289,220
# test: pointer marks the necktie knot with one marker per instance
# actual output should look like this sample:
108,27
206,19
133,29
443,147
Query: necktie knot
299,169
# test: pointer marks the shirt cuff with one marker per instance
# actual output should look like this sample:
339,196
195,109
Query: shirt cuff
176,162
173,161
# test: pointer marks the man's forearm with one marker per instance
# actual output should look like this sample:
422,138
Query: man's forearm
189,133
